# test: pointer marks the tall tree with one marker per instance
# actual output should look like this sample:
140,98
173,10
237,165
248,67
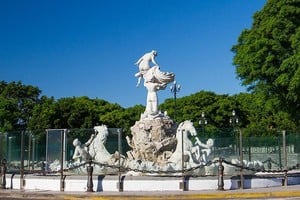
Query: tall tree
217,108
16,104
43,114
267,56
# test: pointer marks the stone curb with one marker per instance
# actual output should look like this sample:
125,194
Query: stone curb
230,194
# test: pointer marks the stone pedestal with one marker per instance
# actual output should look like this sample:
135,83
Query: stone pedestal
153,139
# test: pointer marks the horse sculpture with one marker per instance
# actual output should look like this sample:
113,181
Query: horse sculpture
184,129
97,149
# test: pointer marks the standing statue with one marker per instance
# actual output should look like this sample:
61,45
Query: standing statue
152,98
154,80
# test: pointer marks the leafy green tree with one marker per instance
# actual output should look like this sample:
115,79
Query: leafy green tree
267,56
83,113
21,104
73,113
43,114
122,118
16,104
76,112
217,109
262,119
131,115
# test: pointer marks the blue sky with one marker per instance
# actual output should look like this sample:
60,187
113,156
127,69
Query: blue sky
88,47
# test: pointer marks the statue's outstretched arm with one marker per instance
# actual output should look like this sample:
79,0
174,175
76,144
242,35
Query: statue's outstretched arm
200,143
138,62
90,140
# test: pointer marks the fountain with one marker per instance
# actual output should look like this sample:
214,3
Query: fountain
157,142
159,147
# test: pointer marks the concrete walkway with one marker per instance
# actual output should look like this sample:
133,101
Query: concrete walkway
288,192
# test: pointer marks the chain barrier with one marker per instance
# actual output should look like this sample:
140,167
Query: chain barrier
269,162
44,170
255,169
181,172
146,171
121,168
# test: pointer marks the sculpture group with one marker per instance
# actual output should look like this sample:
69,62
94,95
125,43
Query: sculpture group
157,142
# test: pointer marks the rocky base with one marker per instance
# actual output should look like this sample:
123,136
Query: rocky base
153,139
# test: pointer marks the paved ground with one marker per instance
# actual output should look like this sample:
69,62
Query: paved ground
289,192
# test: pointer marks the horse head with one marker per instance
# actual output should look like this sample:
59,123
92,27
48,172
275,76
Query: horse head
97,149
101,132
188,127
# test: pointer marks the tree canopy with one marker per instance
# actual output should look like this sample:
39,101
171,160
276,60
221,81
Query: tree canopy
16,104
267,56
21,107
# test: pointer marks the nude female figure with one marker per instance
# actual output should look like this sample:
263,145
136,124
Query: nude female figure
144,64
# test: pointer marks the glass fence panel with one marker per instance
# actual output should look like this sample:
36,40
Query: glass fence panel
41,148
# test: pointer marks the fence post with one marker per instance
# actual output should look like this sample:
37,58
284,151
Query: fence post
62,180
3,174
269,163
90,184
241,159
221,174
120,182
183,184
285,157
22,180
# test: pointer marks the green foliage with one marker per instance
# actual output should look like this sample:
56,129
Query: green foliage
257,115
43,114
217,108
16,104
267,57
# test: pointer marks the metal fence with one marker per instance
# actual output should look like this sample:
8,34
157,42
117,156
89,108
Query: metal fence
34,149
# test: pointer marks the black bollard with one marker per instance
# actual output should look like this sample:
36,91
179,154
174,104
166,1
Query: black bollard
269,163
221,174
43,168
90,184
3,173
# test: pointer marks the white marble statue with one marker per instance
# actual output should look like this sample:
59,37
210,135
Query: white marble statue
97,148
204,149
81,150
144,64
152,98
194,154
184,129
154,80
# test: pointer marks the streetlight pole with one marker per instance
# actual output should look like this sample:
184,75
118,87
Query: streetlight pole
234,120
10,138
202,122
175,88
